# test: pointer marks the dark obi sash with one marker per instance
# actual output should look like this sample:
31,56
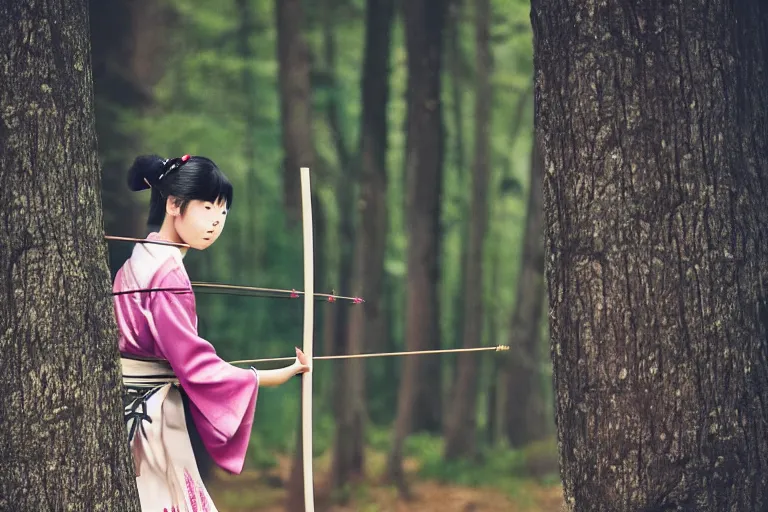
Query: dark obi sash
142,378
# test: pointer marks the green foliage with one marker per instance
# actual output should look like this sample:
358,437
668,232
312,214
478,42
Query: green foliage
511,141
357,493
236,499
200,108
496,467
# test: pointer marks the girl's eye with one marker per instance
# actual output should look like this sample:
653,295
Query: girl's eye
207,207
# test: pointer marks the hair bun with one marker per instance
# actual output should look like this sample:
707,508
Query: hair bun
145,171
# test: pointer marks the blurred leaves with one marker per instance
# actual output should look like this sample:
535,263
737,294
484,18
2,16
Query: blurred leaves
199,108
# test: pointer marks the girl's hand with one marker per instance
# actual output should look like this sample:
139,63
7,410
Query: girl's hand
300,365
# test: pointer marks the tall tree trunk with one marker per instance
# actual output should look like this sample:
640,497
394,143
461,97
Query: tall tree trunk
656,201
366,322
63,443
344,198
456,69
295,102
525,421
508,184
245,30
298,145
455,60
424,192
496,381
294,496
461,430
420,385
128,50
381,394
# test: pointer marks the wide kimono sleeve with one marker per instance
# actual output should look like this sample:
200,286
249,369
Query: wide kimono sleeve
222,396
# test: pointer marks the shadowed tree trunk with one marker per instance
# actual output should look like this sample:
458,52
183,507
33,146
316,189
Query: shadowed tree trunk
419,394
525,420
656,201
381,400
461,429
508,184
345,177
496,381
424,164
366,321
295,102
128,48
63,444
456,71
298,145
246,28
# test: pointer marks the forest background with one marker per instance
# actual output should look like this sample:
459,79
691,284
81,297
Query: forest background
447,251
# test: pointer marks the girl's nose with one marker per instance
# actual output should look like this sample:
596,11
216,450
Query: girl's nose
215,223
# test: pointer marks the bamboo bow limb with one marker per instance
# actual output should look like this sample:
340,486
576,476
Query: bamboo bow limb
309,320
498,348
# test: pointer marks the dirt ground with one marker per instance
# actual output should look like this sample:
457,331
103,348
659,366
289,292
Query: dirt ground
264,492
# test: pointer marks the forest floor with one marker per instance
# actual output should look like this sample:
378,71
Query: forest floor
265,491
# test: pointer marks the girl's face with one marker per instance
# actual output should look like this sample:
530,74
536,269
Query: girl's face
201,224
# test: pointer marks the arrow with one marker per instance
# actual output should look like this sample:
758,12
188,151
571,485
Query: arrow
293,294
498,348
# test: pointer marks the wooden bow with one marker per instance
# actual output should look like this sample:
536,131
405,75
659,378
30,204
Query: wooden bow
309,317
308,327
309,322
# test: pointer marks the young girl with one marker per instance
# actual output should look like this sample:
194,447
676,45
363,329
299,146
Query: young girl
162,355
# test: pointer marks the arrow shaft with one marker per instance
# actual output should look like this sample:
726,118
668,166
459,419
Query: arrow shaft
199,284
143,241
498,348
273,290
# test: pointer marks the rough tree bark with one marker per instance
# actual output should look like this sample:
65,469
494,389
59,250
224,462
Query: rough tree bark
295,102
461,428
419,392
366,322
656,201
63,444
525,420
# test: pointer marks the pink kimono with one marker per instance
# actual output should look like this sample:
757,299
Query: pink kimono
162,352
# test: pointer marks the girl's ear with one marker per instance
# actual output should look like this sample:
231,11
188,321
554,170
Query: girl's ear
172,207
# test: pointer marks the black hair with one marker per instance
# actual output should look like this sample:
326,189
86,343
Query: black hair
186,178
